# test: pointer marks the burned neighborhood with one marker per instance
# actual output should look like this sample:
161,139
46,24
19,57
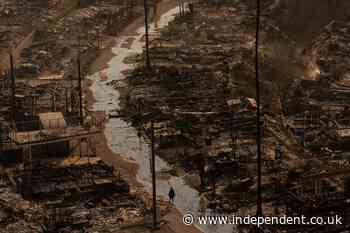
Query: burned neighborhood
173,116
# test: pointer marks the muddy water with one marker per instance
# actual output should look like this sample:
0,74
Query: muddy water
122,138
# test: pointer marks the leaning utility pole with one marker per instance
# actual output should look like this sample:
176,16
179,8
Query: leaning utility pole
153,170
13,88
148,63
258,127
80,92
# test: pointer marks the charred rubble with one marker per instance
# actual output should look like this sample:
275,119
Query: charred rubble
51,176
200,96
199,99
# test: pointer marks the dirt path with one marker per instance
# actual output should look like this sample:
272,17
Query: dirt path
128,169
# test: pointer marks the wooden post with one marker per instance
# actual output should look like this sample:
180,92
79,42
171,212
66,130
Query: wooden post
67,103
53,102
153,169
67,147
258,127
81,114
148,63
13,88
27,151
33,105
233,141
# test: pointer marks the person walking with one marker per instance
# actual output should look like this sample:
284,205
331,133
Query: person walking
171,195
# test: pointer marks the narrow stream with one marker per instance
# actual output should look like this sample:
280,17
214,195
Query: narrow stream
122,138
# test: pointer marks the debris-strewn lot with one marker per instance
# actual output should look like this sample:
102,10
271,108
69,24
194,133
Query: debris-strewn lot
19,215
200,95
51,178
83,31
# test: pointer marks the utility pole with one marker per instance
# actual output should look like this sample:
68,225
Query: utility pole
153,169
13,88
66,95
258,127
233,137
232,114
80,92
148,63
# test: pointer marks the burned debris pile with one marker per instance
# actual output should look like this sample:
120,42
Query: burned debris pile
49,35
197,103
200,96
50,167
51,177
322,101
17,21
19,215
84,31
